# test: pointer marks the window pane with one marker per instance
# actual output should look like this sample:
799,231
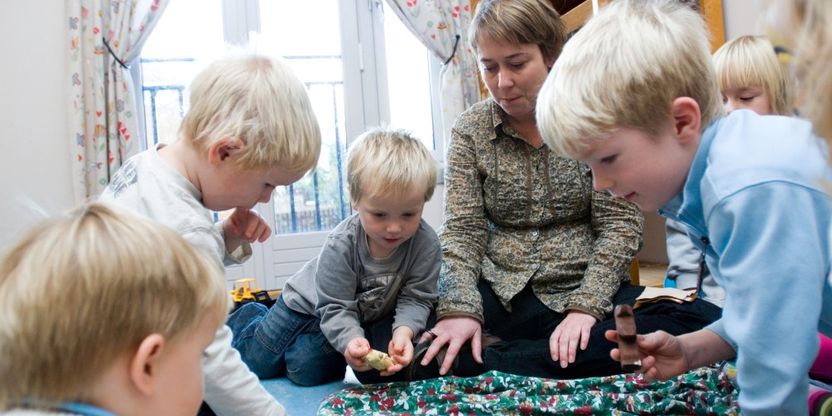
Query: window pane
318,202
408,78
170,59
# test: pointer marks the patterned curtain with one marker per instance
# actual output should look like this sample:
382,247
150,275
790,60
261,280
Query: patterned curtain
104,37
442,26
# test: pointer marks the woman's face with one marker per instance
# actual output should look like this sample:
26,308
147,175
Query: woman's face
513,74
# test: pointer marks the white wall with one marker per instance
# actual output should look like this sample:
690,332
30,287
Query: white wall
743,17
34,141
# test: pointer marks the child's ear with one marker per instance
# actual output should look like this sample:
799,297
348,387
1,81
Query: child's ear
687,119
224,148
144,363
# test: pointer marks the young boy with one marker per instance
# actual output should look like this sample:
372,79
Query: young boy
373,284
105,313
249,129
750,189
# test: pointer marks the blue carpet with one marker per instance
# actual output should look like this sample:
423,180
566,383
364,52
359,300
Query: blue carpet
299,400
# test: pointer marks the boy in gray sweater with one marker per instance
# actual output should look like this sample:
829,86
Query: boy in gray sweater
372,286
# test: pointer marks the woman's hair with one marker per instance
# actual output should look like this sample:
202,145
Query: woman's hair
389,162
260,101
812,48
519,22
79,291
750,61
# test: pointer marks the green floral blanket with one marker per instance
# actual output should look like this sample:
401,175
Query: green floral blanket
704,391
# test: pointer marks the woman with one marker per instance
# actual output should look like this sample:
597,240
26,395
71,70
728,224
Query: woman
532,255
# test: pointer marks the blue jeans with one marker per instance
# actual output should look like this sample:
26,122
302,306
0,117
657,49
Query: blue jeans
279,341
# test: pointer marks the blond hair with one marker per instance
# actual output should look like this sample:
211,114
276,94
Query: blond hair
79,291
519,22
260,101
389,162
750,61
624,68
812,55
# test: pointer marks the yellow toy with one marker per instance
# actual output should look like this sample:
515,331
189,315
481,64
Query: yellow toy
242,291
378,360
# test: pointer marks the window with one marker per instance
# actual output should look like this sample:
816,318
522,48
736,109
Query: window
337,48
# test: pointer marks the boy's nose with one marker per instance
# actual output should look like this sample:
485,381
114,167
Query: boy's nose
394,227
266,196
601,183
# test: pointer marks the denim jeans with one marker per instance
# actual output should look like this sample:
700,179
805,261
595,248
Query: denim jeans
278,341
525,331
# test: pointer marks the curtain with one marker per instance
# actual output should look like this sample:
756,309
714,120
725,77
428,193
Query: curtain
104,36
442,26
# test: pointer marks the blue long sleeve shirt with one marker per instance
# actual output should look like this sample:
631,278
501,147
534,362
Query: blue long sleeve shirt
756,203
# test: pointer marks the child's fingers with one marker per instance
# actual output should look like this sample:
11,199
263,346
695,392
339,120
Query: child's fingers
393,369
407,354
611,335
252,223
396,346
359,365
615,354
403,356
263,231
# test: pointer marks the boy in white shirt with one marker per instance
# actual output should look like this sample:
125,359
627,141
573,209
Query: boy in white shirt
249,129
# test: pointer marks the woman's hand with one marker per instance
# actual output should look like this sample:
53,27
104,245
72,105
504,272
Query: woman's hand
400,350
453,332
572,332
356,350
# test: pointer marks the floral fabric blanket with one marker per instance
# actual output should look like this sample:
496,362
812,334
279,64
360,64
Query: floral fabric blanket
704,391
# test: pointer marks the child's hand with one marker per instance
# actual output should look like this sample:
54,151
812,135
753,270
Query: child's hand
244,225
400,350
357,349
665,355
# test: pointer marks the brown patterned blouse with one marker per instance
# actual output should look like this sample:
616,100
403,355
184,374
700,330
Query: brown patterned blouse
514,213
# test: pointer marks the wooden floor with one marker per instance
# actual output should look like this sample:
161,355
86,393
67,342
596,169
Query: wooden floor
651,274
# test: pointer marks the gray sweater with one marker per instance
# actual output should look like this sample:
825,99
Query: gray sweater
683,264
345,286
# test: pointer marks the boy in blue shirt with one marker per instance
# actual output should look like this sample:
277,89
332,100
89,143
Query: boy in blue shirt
647,119
373,284
105,313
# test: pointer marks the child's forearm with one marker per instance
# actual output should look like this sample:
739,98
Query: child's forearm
705,347
404,332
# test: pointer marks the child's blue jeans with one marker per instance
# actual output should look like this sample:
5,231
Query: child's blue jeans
278,341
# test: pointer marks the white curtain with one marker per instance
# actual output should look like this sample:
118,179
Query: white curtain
104,37
442,26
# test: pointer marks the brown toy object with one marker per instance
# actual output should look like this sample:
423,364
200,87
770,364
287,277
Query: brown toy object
378,360
625,326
